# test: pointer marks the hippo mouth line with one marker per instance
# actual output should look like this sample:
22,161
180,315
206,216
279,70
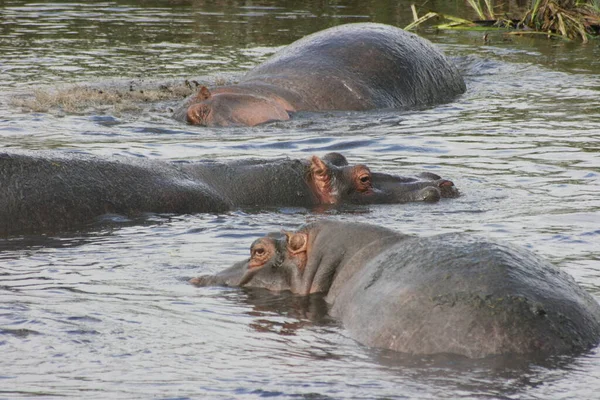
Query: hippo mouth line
249,274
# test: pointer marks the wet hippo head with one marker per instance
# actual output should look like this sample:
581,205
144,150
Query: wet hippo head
230,108
304,261
334,181
275,261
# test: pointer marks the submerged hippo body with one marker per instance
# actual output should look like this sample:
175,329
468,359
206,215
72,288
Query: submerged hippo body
451,293
52,191
358,66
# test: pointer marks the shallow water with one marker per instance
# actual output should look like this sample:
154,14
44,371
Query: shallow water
108,313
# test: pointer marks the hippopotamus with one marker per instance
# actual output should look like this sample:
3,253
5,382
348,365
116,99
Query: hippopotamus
50,191
360,66
451,293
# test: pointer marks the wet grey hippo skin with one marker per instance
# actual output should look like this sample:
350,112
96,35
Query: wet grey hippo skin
349,67
450,293
52,191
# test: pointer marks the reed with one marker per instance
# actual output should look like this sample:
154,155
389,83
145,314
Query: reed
478,7
570,19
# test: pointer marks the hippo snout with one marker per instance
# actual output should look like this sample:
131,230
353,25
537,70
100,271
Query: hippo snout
440,189
237,275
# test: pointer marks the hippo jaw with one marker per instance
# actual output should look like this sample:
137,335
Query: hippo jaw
233,276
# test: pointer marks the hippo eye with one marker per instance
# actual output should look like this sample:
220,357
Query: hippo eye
260,254
364,182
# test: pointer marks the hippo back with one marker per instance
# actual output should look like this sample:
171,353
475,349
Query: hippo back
456,293
46,191
361,66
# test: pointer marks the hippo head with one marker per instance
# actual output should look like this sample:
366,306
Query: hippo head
231,109
333,181
303,261
275,262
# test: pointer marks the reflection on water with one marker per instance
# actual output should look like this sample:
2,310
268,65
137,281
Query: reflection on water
108,312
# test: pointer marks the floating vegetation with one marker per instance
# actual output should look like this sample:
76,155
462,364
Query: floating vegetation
569,19
79,99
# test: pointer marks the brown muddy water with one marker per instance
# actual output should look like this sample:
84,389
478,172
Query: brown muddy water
108,313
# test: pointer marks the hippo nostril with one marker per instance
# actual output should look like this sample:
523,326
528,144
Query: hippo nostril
445,183
199,281
430,194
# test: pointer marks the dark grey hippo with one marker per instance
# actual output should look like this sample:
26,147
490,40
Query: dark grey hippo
52,191
359,66
450,293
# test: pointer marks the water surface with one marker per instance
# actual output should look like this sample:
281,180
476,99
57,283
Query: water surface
108,313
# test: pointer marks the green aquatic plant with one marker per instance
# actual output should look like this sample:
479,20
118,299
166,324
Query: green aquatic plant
476,5
569,19
453,22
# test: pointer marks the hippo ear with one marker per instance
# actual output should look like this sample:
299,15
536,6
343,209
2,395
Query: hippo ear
203,94
318,168
296,242
321,180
